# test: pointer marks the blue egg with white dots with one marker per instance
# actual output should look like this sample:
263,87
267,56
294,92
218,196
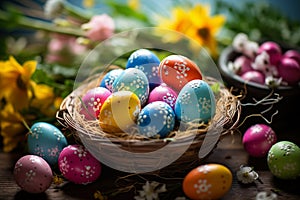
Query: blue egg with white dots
148,62
195,102
109,78
156,118
133,80
47,141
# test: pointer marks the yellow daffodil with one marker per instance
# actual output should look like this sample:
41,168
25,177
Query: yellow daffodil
15,82
134,4
88,3
196,23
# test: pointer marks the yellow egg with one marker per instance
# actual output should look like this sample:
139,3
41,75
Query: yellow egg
119,112
209,181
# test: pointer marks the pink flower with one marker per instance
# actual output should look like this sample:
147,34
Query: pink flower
99,28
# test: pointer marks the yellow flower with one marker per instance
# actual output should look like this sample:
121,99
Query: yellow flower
15,82
134,4
88,3
196,23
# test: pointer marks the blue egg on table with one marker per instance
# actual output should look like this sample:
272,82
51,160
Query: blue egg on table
148,62
46,141
133,80
195,102
109,78
156,118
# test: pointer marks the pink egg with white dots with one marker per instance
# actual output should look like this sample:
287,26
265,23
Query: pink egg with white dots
258,139
78,165
92,102
33,174
163,93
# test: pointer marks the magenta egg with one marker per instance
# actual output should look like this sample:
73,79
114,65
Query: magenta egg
78,165
258,139
289,71
254,76
92,102
33,174
273,49
293,54
243,64
163,93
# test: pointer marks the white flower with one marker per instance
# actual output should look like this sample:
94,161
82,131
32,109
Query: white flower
266,196
53,8
246,175
150,191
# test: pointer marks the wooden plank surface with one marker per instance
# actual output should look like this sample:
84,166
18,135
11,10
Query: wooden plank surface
229,152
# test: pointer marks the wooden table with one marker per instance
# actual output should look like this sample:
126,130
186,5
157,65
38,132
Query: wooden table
229,152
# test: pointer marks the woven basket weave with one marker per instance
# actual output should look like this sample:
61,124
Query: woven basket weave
140,154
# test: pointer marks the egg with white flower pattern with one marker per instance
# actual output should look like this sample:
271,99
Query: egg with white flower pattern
209,181
46,141
78,165
109,78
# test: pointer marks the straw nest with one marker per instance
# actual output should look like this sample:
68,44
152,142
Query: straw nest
132,152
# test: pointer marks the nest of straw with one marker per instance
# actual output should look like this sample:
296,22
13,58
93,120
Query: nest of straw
104,146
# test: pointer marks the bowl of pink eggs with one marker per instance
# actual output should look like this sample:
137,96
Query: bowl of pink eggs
266,76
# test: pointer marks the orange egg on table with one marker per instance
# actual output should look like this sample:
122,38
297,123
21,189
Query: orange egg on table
209,181
177,70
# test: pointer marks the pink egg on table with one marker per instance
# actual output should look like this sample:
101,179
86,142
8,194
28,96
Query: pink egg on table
242,64
258,139
163,93
33,174
78,165
289,70
92,102
254,76
273,49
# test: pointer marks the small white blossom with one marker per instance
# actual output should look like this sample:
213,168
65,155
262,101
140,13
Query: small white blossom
150,191
266,196
246,175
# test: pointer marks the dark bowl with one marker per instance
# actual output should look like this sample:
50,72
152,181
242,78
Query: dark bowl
287,108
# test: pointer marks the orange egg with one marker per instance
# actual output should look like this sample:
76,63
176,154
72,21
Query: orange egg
178,70
209,181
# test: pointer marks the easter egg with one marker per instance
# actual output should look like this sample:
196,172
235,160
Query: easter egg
254,76
156,118
133,80
258,139
109,78
46,141
289,70
33,174
284,160
119,112
273,50
195,102
209,181
163,93
178,70
78,165
92,102
148,62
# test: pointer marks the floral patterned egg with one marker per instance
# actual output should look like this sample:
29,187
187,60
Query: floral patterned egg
78,165
119,112
109,78
258,139
284,160
133,80
195,102
156,118
92,101
178,70
148,62
163,93
33,174
209,181
46,141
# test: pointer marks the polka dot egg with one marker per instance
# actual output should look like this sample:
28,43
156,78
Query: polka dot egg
109,78
209,181
156,118
46,141
78,165
284,160
33,174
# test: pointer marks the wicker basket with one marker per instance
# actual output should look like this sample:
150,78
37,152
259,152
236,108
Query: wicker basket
174,154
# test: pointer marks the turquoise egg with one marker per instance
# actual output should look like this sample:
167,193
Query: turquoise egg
133,80
46,141
109,78
195,102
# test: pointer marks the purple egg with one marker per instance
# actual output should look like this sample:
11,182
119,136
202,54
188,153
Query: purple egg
78,165
258,139
289,70
273,49
163,93
293,54
242,64
254,76
33,174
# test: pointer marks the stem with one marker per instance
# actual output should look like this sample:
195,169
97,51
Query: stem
76,12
